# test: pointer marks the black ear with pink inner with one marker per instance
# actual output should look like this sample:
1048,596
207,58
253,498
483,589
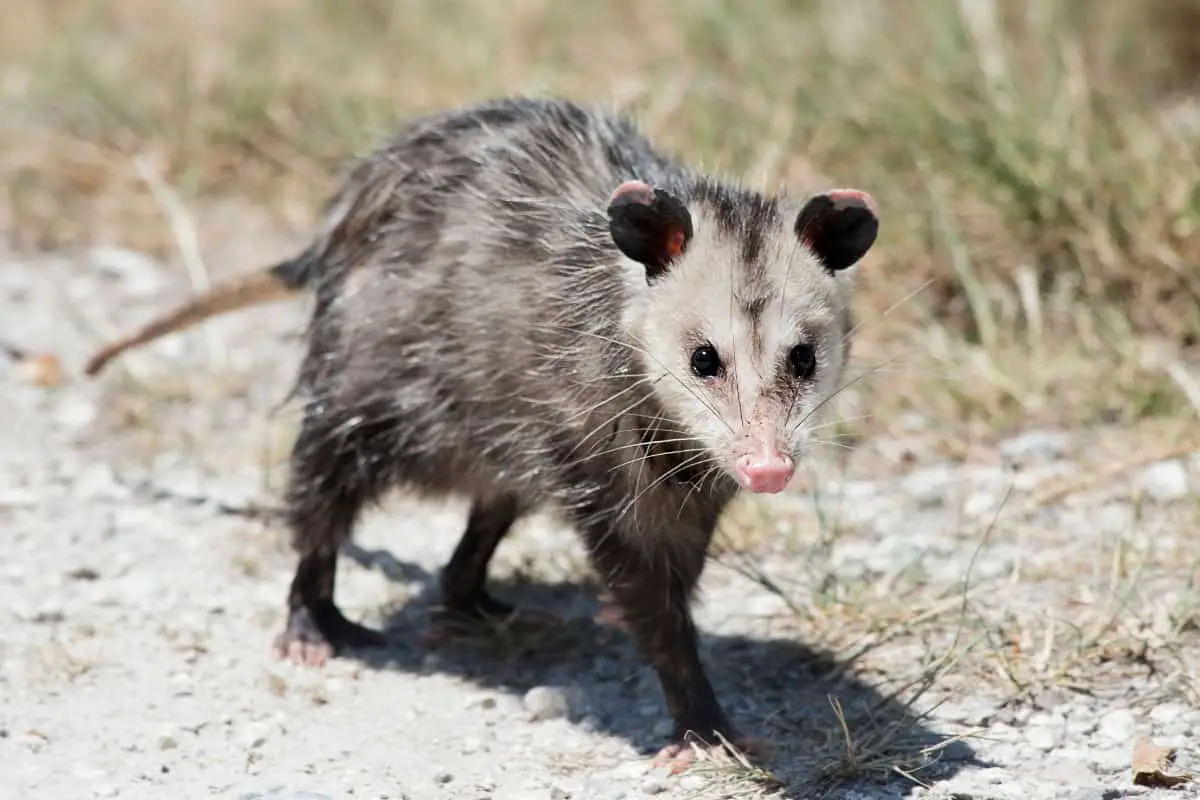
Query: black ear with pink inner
839,226
649,226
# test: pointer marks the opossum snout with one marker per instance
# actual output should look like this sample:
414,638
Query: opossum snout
766,471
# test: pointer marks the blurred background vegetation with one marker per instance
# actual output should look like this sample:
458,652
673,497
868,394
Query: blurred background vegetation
1036,161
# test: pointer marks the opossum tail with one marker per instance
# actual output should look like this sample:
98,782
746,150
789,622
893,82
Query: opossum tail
279,282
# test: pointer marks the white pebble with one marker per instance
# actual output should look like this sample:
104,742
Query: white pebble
1118,725
1164,482
1042,737
1166,713
546,702
654,785
74,414
1042,445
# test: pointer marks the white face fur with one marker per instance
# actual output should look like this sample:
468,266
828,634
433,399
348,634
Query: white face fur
747,354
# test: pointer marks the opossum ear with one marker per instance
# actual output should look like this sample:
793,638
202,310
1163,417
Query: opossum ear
649,226
839,226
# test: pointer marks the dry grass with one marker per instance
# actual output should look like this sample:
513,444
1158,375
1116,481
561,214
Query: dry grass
1042,211
1088,609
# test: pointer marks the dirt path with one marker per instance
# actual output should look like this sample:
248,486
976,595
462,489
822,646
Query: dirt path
139,607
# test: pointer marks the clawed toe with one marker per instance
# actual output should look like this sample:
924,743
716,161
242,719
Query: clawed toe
681,754
310,643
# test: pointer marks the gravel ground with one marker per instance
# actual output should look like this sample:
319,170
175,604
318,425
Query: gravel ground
141,597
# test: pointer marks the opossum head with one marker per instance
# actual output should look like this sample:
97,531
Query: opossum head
739,313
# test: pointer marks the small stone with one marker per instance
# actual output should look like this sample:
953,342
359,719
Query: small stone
1167,713
654,785
1040,445
1089,793
1042,737
1164,482
442,778
982,503
629,769
1068,772
33,740
75,414
559,793
929,487
167,742
1119,725
1115,518
546,702
1110,760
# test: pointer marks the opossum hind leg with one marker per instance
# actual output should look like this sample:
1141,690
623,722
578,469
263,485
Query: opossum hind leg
316,628
335,471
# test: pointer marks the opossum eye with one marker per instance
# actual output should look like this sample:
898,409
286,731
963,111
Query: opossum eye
839,226
802,361
705,361
648,225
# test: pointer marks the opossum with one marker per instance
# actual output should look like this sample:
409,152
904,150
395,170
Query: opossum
524,302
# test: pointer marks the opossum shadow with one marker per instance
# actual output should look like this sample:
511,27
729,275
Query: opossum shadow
777,689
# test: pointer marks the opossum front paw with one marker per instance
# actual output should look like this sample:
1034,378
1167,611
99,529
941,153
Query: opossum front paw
312,637
681,754
480,607
455,617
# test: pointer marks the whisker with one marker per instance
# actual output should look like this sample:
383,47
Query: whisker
601,426
686,386
633,445
854,329
632,504
649,456
711,473
825,401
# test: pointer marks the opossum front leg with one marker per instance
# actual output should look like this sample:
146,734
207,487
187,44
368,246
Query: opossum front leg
335,469
652,584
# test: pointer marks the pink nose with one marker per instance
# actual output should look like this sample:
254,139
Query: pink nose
766,474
